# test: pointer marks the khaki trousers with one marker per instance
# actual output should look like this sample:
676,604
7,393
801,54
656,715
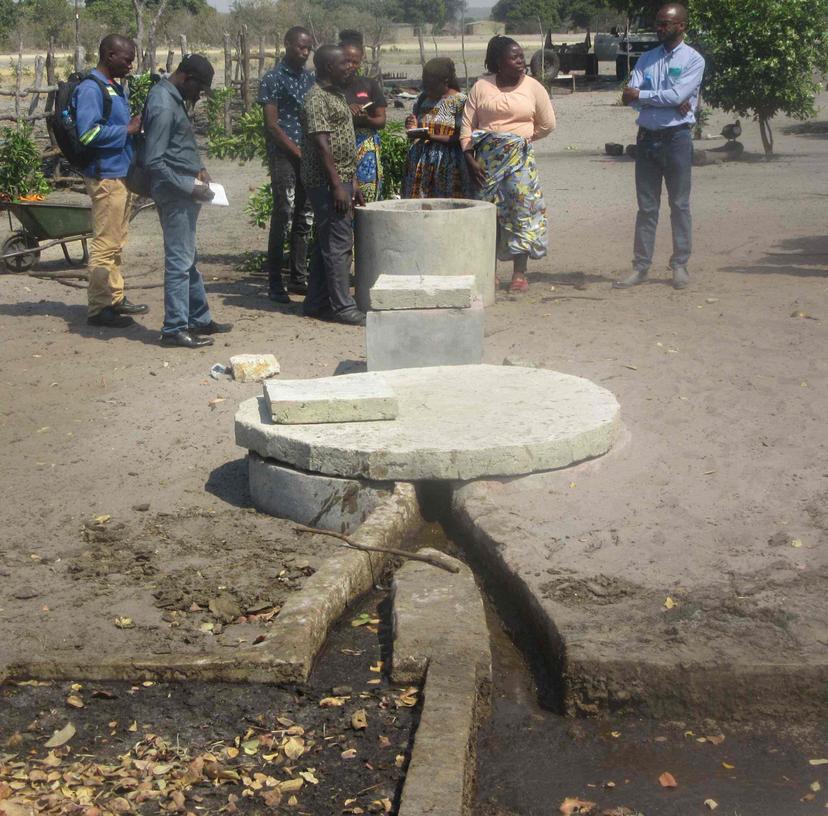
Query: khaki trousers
111,204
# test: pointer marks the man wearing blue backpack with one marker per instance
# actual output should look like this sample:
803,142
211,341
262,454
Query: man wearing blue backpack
107,139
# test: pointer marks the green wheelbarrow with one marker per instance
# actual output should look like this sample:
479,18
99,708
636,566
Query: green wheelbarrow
46,225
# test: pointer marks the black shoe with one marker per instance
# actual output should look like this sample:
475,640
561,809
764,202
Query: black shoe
325,313
211,328
299,286
186,340
278,296
125,307
110,318
351,318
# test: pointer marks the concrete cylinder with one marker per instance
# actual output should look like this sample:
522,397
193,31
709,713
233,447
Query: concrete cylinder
431,236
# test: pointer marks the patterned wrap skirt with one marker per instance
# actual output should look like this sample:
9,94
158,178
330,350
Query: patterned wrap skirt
369,164
512,185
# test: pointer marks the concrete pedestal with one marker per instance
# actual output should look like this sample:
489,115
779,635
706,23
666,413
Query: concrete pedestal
327,502
437,236
418,338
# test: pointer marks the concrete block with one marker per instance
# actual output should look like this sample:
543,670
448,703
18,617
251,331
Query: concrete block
327,502
330,399
253,367
434,236
423,292
420,338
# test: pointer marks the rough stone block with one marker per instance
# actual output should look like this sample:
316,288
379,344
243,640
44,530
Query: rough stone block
330,399
327,502
420,338
253,367
422,292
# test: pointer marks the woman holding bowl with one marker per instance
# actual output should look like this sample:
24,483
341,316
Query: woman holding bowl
506,112
435,167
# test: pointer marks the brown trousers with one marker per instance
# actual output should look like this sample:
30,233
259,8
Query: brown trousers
111,204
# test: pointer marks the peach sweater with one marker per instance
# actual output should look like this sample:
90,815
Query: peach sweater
525,111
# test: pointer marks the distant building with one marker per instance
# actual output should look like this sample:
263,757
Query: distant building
485,28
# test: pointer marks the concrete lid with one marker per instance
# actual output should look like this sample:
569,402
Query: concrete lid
422,292
364,398
454,422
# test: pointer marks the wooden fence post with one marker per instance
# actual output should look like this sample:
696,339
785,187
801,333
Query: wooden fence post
228,82
245,71
168,67
261,56
18,83
38,84
182,39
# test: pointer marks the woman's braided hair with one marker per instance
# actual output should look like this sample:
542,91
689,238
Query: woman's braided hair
497,47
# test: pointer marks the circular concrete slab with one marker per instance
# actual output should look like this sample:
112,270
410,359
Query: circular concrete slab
454,422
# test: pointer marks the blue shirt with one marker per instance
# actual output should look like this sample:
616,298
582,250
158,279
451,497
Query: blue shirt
110,141
170,150
665,79
285,88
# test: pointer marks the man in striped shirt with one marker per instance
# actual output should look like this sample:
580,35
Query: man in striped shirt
110,140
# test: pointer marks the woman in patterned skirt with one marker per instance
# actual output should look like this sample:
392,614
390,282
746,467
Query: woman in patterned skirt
435,167
506,112
368,107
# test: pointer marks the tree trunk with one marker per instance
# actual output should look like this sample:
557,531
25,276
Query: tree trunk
421,43
463,42
138,6
766,134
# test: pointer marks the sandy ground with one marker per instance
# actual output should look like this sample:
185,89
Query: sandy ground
97,423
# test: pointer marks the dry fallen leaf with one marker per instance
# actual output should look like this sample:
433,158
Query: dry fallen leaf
667,780
62,736
74,700
359,720
669,603
408,698
231,751
291,785
728,766
349,753
711,804
816,787
293,747
570,806
133,727
102,519
124,623
333,702
716,740
308,776
818,761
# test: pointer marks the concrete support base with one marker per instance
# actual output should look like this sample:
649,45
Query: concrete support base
420,338
312,499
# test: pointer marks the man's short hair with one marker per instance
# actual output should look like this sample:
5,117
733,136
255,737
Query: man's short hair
111,42
198,67
322,58
293,34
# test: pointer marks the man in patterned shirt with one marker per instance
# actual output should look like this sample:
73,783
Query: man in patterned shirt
328,169
281,93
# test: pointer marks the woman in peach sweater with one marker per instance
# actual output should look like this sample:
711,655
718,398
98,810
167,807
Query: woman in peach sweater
505,113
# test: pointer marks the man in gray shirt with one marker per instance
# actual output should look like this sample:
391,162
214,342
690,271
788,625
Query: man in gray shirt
179,184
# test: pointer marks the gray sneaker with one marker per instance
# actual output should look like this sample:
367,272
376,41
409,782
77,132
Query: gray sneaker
631,280
680,277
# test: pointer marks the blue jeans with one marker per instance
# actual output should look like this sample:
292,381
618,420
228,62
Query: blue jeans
666,155
330,265
185,301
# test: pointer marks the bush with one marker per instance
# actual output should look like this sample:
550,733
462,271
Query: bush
20,165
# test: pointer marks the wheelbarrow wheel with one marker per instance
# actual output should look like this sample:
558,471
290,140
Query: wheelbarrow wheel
18,242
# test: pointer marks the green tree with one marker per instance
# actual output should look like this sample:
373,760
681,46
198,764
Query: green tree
516,12
763,56
51,18
9,15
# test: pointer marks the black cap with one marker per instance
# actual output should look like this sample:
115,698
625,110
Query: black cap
197,67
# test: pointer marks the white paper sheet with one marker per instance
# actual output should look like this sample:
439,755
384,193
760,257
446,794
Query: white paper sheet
220,197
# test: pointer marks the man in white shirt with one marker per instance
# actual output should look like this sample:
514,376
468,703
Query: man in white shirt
664,89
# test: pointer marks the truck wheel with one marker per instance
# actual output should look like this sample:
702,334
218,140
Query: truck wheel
547,62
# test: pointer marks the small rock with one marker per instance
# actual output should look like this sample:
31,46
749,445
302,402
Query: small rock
779,539
24,593
225,607
254,367
141,508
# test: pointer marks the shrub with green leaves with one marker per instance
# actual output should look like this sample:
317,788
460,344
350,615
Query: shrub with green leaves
21,171
139,88
762,56
394,152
